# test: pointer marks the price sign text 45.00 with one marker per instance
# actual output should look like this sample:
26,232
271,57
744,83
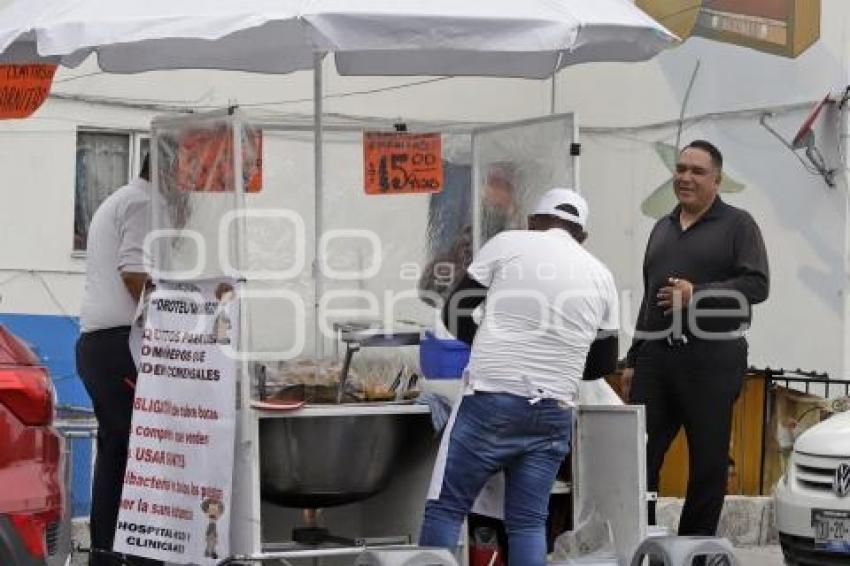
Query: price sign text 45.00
400,163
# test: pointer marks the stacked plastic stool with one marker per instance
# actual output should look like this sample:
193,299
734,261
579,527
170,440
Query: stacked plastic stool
681,551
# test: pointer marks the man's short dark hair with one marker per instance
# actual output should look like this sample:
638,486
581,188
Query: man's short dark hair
710,149
546,221
576,231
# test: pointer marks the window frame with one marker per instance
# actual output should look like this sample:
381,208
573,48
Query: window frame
136,138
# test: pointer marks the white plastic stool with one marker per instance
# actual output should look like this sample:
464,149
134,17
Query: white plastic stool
681,551
406,557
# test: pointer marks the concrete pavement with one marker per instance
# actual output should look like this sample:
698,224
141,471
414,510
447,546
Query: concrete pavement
770,555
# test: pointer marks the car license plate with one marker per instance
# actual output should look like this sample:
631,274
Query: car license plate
832,529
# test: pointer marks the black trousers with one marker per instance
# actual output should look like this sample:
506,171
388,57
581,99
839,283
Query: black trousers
694,386
106,367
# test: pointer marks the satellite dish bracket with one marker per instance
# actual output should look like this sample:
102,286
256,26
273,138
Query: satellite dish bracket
805,140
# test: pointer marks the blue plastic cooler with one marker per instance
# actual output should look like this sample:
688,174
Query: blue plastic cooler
441,358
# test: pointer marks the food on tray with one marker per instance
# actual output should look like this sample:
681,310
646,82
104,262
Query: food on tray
307,381
379,394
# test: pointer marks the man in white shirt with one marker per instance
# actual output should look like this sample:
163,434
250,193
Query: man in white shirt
550,320
116,276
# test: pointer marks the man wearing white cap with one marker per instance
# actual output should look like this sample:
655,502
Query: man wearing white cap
550,319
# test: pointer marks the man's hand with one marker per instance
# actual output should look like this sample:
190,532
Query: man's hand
626,383
135,283
676,295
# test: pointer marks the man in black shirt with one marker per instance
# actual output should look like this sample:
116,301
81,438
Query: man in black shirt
705,265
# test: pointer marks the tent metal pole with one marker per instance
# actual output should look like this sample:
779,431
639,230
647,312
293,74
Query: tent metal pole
319,180
554,93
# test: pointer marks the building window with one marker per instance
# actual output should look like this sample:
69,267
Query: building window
105,161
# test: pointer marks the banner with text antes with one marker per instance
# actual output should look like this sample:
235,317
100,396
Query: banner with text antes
175,503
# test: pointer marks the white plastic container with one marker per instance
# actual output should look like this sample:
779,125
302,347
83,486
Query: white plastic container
448,388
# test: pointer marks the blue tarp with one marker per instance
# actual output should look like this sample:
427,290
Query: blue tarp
53,339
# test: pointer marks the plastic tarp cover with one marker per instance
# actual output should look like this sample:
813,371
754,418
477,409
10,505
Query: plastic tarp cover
373,248
386,260
197,194
515,165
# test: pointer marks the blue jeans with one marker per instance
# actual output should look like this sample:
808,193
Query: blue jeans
493,432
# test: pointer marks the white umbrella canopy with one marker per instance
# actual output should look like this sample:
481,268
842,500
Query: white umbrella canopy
250,35
507,38
530,38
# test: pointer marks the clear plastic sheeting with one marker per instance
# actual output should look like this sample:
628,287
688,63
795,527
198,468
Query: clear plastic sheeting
379,261
515,164
198,192
378,246
382,376
449,247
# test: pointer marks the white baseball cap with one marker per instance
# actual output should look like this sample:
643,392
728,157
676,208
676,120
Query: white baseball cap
564,203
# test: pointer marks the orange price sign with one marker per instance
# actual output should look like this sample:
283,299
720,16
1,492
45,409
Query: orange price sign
402,163
23,88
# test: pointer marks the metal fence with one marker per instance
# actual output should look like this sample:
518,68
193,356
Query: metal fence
79,432
809,382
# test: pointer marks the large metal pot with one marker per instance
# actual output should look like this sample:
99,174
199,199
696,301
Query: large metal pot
323,461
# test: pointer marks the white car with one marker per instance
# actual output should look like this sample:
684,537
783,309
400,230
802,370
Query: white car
813,497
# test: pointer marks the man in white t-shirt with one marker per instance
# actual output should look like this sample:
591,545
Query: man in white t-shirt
116,276
550,319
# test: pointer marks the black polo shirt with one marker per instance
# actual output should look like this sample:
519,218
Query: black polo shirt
721,252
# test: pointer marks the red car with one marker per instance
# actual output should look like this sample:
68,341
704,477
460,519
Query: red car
34,515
